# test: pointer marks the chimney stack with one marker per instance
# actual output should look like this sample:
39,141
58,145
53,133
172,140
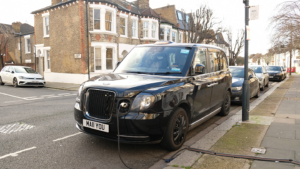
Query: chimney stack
17,27
143,4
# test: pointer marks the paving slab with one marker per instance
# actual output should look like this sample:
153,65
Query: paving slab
271,165
298,135
227,125
290,116
279,153
287,144
262,120
284,120
297,121
281,131
297,156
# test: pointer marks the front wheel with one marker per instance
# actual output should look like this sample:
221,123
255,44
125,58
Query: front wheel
1,82
267,85
176,131
226,105
15,82
263,86
257,94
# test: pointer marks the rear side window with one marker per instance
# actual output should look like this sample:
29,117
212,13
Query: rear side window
224,64
201,58
214,57
3,70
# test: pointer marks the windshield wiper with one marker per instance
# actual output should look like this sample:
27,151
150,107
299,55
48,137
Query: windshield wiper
141,72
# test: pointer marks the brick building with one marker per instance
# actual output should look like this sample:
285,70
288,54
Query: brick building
115,27
20,46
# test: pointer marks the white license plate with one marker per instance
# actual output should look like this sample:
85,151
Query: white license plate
35,81
96,126
271,76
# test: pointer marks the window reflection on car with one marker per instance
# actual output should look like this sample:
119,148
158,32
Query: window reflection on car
273,68
256,69
25,70
155,60
237,72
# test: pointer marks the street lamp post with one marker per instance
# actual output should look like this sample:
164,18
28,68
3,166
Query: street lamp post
246,91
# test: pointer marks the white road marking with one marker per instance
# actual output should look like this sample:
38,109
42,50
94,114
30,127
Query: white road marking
67,137
11,95
38,97
11,128
16,153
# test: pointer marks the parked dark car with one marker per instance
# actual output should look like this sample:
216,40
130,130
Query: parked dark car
284,71
263,76
238,80
275,73
161,91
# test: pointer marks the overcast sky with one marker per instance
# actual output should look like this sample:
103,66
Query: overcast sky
230,12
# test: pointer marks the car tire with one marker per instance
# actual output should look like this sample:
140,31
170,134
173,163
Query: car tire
15,82
178,123
226,105
267,85
257,94
263,86
1,82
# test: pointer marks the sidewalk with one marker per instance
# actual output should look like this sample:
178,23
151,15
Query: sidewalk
62,86
274,125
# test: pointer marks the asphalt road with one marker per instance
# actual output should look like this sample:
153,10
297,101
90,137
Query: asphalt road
54,141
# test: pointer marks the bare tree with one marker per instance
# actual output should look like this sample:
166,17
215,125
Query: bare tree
256,57
236,46
286,27
4,39
200,25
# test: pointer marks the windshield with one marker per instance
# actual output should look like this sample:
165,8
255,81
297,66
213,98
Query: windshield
256,69
273,68
237,72
24,70
155,60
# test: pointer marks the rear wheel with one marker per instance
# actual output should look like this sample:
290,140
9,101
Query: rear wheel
15,82
176,131
226,105
267,85
1,82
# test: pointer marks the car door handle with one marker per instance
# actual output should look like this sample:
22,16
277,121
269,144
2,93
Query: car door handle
213,84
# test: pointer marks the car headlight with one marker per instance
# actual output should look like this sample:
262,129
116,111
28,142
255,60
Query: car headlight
236,88
279,74
143,101
43,78
79,93
22,77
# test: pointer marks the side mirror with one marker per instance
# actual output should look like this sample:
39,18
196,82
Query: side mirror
12,72
250,77
199,69
118,63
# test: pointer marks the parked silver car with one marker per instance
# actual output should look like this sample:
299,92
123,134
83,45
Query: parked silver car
21,76
262,75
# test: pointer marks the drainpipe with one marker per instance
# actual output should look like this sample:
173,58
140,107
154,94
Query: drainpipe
87,37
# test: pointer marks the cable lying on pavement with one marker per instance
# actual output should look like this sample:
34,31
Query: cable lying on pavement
235,156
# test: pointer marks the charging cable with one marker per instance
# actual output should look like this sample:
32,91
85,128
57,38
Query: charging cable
118,128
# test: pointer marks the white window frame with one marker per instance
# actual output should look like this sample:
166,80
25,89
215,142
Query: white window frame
180,34
103,47
175,32
150,21
45,15
126,25
155,33
103,9
135,19
19,46
94,19
26,44
165,31
146,30
46,60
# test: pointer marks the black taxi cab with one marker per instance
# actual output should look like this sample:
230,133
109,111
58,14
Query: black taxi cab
158,93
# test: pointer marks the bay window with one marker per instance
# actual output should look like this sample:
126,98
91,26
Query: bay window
97,19
109,58
108,21
153,30
174,36
168,34
98,65
162,34
145,29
